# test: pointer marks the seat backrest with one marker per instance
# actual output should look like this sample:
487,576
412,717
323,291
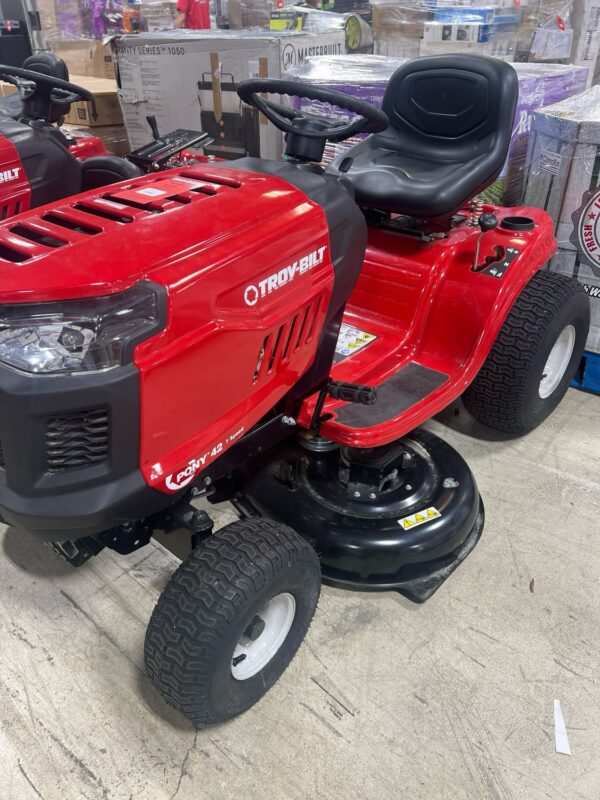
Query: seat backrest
451,108
40,105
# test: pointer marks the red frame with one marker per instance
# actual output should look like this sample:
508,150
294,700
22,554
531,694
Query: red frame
222,362
427,305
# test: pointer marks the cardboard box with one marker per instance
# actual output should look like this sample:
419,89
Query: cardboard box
6,89
563,179
108,110
188,79
86,57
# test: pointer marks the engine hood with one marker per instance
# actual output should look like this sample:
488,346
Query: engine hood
166,228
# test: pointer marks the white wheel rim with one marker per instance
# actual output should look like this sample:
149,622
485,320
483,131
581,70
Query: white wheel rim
558,361
250,656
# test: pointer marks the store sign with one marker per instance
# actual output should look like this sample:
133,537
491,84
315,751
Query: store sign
586,229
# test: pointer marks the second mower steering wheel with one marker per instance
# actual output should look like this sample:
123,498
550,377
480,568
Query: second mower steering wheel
59,91
369,120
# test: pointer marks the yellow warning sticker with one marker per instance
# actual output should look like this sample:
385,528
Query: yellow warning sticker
419,518
351,340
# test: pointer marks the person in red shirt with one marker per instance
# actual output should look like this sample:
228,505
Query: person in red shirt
193,14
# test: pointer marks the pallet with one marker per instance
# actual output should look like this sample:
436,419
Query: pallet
588,374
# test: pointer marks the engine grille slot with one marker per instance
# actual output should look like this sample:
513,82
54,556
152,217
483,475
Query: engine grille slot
3,212
283,342
199,174
70,224
37,236
275,349
77,440
16,256
127,201
105,213
311,319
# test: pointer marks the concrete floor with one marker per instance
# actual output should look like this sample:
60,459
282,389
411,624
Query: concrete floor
451,700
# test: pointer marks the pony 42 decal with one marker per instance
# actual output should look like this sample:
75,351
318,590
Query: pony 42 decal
183,476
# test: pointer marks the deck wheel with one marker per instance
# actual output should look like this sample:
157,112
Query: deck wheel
231,619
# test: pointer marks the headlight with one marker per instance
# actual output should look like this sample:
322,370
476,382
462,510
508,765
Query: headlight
84,335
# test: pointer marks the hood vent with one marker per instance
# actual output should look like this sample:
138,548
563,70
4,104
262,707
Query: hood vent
112,206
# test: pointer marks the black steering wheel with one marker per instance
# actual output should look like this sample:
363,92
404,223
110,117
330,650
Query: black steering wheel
369,119
28,83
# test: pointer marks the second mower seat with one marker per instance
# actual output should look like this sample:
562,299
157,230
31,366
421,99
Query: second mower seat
451,120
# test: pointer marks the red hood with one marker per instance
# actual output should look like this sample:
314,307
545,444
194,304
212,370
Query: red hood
154,227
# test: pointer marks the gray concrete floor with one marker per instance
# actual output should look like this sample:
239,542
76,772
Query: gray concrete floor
451,700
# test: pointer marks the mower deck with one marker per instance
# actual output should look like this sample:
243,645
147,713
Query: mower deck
420,323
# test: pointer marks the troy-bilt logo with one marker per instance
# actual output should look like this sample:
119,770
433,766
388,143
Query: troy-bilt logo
8,175
254,292
586,229
179,480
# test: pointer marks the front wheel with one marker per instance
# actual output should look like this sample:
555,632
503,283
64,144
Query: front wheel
534,358
231,619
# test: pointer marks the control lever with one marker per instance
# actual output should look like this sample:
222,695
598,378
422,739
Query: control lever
151,120
338,390
487,222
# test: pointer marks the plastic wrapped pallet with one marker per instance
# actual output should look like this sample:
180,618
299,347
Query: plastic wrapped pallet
585,19
564,179
539,85
71,20
429,27
553,38
364,77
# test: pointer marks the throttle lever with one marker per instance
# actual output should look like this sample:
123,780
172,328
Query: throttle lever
487,222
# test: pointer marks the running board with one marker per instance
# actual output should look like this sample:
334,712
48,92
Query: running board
406,389
408,386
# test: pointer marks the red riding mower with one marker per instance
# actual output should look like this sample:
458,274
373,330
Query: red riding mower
39,163
272,334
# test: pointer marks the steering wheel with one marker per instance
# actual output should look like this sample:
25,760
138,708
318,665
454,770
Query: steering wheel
28,83
369,120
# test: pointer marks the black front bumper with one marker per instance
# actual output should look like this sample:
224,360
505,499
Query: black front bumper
99,485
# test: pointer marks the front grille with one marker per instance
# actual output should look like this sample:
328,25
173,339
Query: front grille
77,440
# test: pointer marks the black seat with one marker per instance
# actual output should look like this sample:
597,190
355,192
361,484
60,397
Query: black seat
451,119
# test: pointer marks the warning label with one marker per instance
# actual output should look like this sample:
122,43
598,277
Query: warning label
419,518
350,341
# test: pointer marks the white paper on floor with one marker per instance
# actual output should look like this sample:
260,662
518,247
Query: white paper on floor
561,740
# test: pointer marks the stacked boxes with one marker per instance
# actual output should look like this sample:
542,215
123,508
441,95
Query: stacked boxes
585,20
429,27
564,179
539,85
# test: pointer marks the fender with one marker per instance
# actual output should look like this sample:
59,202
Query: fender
437,312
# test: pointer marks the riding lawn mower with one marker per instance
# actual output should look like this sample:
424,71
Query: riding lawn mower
272,334
41,163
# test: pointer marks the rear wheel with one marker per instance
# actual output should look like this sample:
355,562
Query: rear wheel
231,619
534,357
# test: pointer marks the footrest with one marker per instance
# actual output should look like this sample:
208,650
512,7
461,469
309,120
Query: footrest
408,386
